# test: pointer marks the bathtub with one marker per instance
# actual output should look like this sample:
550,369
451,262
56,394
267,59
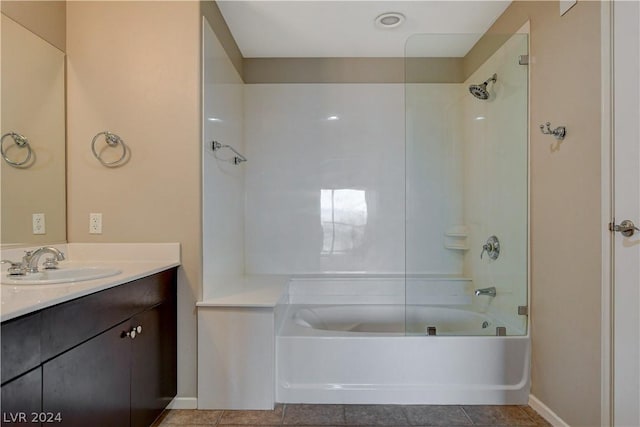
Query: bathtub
387,319
379,353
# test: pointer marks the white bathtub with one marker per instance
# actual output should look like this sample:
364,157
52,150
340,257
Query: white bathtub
387,319
361,354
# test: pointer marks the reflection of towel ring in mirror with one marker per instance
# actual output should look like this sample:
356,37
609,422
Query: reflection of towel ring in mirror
22,142
112,140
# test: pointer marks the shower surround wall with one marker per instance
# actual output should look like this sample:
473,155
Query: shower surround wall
325,181
434,205
325,184
222,182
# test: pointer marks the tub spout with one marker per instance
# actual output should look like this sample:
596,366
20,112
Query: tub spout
486,291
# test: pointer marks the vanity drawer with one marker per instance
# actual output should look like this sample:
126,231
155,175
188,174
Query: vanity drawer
20,345
67,325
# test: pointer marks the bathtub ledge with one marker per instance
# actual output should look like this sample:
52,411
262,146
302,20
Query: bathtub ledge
248,291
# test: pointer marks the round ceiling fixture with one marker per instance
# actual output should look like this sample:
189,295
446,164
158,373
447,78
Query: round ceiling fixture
390,20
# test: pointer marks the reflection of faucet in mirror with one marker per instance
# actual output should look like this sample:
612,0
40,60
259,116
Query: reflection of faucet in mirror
31,258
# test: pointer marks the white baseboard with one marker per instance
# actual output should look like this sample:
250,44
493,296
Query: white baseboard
183,403
546,412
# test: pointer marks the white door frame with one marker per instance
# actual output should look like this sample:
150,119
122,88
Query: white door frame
606,49
616,295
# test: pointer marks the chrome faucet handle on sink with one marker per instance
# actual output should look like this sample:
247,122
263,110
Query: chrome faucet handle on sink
50,263
15,268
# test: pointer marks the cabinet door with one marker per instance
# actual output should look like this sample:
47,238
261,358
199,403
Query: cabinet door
89,384
22,400
153,363
20,346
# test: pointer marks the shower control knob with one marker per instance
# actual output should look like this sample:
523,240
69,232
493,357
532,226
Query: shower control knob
491,247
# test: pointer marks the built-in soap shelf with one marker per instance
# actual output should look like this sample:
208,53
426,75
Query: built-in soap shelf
456,238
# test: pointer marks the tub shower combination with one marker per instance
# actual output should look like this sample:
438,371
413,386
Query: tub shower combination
370,348
410,287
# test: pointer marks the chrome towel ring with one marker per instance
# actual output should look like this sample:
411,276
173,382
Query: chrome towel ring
113,141
22,142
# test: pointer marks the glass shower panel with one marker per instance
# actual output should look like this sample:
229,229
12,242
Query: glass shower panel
466,189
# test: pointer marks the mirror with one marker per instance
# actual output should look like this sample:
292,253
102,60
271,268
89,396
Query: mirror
33,105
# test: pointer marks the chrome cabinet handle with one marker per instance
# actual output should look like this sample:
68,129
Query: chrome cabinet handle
627,228
135,331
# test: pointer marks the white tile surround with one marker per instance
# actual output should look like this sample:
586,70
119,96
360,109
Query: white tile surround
326,192
311,142
222,182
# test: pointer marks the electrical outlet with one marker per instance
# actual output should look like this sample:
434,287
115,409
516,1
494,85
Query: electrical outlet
95,223
38,225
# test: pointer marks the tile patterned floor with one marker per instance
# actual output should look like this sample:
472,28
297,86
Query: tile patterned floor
359,415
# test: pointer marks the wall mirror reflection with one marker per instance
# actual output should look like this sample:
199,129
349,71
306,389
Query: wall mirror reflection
33,105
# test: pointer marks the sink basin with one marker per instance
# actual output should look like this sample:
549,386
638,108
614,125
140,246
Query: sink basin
64,275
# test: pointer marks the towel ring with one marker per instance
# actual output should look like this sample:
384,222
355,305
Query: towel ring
22,142
112,140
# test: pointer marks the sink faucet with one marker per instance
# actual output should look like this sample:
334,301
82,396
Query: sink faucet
486,291
31,258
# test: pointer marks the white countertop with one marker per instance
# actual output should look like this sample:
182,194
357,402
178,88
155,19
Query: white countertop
135,260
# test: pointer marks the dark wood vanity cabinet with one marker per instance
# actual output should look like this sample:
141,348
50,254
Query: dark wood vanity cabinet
107,359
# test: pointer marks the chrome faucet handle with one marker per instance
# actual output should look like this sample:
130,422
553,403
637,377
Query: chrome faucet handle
15,268
50,264
491,247
485,248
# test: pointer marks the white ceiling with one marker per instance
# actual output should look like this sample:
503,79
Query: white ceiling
325,28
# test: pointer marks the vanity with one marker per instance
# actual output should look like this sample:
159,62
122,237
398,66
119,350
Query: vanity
77,348
97,352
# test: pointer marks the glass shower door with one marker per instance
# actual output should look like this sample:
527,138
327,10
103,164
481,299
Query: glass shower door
466,186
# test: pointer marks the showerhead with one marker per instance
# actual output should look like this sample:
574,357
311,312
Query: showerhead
480,91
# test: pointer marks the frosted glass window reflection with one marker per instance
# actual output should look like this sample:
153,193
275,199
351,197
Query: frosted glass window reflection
343,214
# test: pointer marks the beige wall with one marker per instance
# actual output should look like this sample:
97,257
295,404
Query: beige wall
134,69
565,205
210,10
352,70
44,18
